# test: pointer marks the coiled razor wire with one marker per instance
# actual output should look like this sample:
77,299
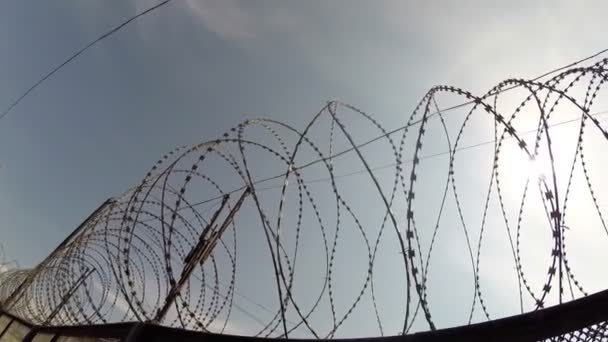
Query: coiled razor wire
334,245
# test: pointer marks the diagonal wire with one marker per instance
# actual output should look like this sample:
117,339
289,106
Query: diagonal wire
468,147
413,123
77,54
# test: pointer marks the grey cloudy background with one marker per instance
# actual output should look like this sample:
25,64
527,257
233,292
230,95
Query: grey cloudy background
195,68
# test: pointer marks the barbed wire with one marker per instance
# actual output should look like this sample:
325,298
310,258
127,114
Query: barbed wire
318,246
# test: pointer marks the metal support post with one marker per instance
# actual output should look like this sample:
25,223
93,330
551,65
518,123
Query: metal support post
18,292
68,295
200,252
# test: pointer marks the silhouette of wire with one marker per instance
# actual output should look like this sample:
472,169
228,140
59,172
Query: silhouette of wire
173,249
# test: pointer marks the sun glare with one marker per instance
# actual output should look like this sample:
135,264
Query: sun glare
523,167
538,169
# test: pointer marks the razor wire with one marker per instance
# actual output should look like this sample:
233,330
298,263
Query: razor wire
171,249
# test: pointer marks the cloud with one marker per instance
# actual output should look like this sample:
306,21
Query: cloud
227,18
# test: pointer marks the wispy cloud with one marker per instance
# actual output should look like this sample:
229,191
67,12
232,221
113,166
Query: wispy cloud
228,19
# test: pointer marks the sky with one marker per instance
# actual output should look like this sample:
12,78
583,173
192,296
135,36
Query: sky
191,70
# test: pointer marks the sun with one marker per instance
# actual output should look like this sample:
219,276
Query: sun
518,167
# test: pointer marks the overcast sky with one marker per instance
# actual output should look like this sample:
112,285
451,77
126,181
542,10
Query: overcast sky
193,69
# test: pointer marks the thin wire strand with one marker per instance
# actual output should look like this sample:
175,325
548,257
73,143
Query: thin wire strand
77,54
